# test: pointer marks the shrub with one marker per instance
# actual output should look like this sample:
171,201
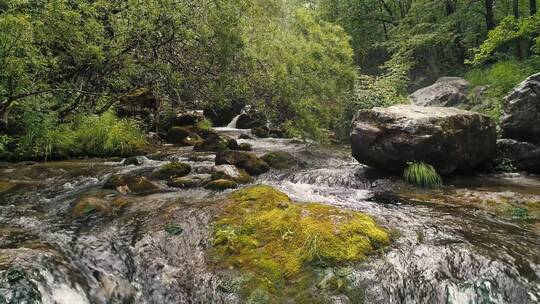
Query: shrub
86,135
205,124
501,78
422,175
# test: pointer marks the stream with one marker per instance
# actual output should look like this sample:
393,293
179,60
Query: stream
445,251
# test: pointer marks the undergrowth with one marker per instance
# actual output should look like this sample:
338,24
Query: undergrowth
500,78
85,135
422,175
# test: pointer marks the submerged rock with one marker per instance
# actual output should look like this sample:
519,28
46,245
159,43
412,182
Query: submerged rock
447,138
244,160
279,160
521,116
5,186
522,155
221,184
446,92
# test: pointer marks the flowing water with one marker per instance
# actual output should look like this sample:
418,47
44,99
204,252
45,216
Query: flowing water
444,252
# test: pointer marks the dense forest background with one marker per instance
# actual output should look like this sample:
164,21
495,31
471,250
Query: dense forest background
308,65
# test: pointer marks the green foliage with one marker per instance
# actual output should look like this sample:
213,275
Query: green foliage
204,124
500,78
506,165
86,135
375,91
422,175
279,243
509,30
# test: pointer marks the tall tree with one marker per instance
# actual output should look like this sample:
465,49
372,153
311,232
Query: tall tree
490,19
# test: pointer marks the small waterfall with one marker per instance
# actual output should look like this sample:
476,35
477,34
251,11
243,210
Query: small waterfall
232,124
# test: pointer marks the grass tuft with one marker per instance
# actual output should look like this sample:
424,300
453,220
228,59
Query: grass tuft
422,175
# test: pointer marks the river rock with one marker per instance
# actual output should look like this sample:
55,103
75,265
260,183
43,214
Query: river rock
447,138
523,155
245,147
244,160
261,132
279,160
251,119
190,181
231,172
131,183
190,118
221,184
220,116
173,169
446,92
521,111
212,143
182,136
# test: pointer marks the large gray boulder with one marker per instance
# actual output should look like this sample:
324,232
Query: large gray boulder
447,138
446,92
523,155
521,116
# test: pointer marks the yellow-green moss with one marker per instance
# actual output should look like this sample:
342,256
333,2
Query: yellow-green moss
5,186
262,232
172,169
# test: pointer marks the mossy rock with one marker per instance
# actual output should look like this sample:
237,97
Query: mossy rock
282,245
244,160
183,136
192,181
245,147
221,184
231,172
133,160
173,169
213,143
131,184
260,132
5,186
245,136
232,144
279,160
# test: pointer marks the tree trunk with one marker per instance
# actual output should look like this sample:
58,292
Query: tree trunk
532,7
490,19
519,46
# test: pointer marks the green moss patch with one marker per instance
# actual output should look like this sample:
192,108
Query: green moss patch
221,184
282,245
173,169
279,160
5,186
